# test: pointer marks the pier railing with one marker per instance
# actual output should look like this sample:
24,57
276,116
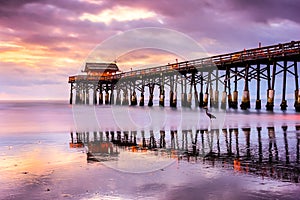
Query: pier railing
250,55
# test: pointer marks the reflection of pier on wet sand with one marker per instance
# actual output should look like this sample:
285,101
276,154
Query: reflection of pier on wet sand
266,152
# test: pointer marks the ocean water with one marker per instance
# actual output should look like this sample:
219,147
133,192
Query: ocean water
52,150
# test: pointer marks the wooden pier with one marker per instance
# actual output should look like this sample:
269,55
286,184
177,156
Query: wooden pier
195,82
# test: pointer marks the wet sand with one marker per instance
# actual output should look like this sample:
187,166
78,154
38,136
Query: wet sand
36,161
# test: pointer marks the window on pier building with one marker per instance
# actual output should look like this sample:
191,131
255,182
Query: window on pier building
100,69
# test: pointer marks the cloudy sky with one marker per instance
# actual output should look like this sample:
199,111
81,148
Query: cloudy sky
42,42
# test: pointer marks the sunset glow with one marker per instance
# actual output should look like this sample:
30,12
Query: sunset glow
46,41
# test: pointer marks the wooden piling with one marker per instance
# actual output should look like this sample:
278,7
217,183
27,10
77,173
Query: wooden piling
271,92
283,104
234,101
71,94
297,93
95,95
87,95
246,95
151,90
258,101
100,95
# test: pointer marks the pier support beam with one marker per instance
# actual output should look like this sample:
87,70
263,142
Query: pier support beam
223,100
162,96
173,92
118,97
133,99
95,95
171,98
258,101
77,96
234,102
112,96
106,97
210,94
100,95
87,95
224,94
71,94
283,104
297,93
246,96
125,100
183,92
297,101
216,94
201,91
151,90
271,91
142,99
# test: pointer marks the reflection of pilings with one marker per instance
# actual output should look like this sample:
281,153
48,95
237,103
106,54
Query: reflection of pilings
143,139
172,139
272,142
202,142
152,143
247,137
194,145
286,146
218,142
184,140
260,153
134,133
298,145
236,133
162,141
210,140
